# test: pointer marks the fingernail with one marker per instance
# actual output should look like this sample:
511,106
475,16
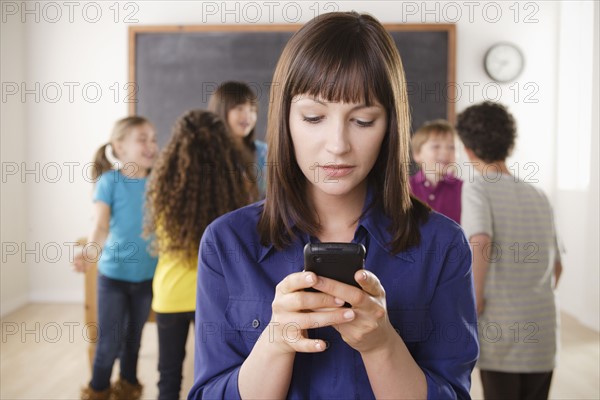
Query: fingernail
309,278
318,345
349,314
339,301
364,276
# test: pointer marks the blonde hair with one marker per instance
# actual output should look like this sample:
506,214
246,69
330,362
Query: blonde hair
122,128
429,129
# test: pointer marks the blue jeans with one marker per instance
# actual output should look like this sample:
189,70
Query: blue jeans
123,309
173,331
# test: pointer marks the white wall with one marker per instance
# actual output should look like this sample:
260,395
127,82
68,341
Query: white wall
577,207
13,273
68,130
592,309
85,52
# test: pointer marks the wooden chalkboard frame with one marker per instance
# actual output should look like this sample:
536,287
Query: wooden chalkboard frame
450,29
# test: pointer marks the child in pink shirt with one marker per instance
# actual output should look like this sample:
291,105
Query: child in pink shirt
435,183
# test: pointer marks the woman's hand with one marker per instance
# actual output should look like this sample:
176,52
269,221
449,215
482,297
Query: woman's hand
371,328
292,316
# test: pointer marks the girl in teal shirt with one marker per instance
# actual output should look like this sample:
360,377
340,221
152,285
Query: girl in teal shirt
125,268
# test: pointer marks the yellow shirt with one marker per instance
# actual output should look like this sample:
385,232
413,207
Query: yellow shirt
174,283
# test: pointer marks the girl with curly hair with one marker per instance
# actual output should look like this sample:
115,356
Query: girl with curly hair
195,180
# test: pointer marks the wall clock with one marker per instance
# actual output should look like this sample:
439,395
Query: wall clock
503,62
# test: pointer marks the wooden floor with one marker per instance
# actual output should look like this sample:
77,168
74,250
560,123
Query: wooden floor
43,355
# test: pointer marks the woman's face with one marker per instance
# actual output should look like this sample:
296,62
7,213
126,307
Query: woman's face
336,144
242,119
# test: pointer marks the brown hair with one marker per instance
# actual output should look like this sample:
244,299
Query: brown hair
487,129
121,129
194,181
345,57
428,129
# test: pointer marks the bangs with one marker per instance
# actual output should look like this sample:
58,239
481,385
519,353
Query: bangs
438,133
436,128
238,98
336,72
235,93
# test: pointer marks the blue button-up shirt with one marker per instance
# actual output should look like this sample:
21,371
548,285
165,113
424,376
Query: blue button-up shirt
429,293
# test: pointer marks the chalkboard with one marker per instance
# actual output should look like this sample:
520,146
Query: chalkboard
176,68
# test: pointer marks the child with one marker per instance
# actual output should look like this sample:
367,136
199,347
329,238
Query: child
125,268
236,104
338,132
189,187
433,149
511,229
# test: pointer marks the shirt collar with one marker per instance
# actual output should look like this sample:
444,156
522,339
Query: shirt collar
373,220
450,179
377,223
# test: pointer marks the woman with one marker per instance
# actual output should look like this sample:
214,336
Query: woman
338,132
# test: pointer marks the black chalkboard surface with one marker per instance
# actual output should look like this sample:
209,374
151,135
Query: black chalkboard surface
178,68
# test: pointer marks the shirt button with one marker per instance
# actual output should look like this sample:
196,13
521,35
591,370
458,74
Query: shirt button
255,323
431,197
427,184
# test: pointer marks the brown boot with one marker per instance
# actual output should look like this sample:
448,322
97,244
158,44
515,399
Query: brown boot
123,390
87,393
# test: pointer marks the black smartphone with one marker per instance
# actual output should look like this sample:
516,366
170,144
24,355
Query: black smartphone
337,261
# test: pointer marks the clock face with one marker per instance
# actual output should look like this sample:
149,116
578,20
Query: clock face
503,62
